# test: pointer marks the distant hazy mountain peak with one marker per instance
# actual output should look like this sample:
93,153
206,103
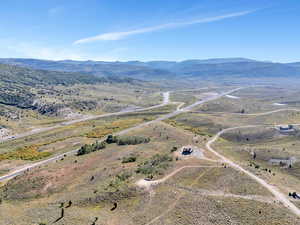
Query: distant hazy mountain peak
218,60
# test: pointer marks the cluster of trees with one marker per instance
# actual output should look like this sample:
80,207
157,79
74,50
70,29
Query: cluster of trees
128,140
16,96
86,149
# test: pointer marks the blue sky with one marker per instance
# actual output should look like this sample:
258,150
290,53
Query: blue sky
122,30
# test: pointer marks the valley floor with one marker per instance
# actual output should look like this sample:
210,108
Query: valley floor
220,182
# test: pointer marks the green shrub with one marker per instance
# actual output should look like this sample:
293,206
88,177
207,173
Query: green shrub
129,159
155,165
124,176
86,149
174,149
119,180
126,140
111,139
131,140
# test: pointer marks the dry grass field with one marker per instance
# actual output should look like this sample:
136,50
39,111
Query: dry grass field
203,193
267,144
253,100
106,186
70,137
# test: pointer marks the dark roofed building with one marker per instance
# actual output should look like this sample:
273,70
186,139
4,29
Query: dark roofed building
187,151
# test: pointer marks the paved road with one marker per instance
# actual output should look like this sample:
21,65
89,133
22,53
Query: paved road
166,100
164,117
279,196
270,112
182,110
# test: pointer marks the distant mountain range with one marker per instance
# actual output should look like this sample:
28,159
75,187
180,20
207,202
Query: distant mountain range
21,78
210,68
97,68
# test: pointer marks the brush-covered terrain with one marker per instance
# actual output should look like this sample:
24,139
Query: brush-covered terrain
251,135
108,143
102,186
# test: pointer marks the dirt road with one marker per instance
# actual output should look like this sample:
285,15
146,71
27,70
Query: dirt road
149,183
278,195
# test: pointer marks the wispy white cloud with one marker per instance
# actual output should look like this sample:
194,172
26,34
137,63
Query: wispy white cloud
10,48
121,35
30,50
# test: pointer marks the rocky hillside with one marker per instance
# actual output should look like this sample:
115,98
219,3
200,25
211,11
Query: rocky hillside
19,85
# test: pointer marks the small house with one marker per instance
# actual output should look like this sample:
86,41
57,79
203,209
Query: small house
282,161
286,128
187,151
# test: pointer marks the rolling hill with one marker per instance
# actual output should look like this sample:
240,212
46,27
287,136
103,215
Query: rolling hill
18,84
154,70
97,68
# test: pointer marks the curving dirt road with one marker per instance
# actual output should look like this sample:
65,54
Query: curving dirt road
149,183
278,195
177,199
